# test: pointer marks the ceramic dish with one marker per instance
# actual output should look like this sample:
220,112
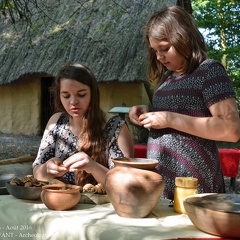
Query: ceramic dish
60,197
21,192
217,214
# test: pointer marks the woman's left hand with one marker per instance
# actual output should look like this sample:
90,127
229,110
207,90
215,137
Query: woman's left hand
78,161
155,120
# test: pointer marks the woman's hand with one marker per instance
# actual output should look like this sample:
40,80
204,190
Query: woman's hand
136,111
55,167
51,169
155,120
79,161
223,125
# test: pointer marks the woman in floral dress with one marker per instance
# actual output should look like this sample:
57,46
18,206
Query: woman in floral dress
78,144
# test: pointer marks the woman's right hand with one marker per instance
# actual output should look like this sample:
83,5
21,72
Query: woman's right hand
55,167
136,111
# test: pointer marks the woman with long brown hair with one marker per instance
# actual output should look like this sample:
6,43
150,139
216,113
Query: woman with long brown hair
78,144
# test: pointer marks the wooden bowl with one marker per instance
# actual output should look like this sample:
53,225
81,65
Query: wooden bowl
217,214
60,196
27,193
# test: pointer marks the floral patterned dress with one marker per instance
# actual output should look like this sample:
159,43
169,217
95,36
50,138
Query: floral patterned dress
60,142
180,154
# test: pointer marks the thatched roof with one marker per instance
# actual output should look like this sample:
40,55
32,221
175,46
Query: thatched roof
103,34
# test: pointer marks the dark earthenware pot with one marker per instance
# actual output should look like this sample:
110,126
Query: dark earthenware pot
21,192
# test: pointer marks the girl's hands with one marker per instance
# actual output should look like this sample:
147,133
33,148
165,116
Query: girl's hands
55,167
79,161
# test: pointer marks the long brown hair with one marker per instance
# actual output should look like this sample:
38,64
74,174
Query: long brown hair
176,26
92,135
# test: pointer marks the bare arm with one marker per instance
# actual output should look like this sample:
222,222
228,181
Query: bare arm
223,125
53,167
125,142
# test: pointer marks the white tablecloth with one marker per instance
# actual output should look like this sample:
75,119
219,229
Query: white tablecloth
22,219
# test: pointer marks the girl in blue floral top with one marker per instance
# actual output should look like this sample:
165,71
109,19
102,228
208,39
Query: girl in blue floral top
78,144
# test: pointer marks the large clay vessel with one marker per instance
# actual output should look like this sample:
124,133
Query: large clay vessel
134,187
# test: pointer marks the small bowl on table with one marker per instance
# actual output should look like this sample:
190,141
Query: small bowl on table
22,192
27,187
60,196
216,214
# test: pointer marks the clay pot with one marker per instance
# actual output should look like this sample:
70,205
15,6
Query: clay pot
60,196
215,213
134,187
21,192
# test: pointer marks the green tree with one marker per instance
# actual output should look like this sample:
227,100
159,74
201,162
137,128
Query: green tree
221,22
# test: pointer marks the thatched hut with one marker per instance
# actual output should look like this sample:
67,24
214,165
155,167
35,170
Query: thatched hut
105,35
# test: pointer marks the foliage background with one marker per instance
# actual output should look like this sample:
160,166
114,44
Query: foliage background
220,22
